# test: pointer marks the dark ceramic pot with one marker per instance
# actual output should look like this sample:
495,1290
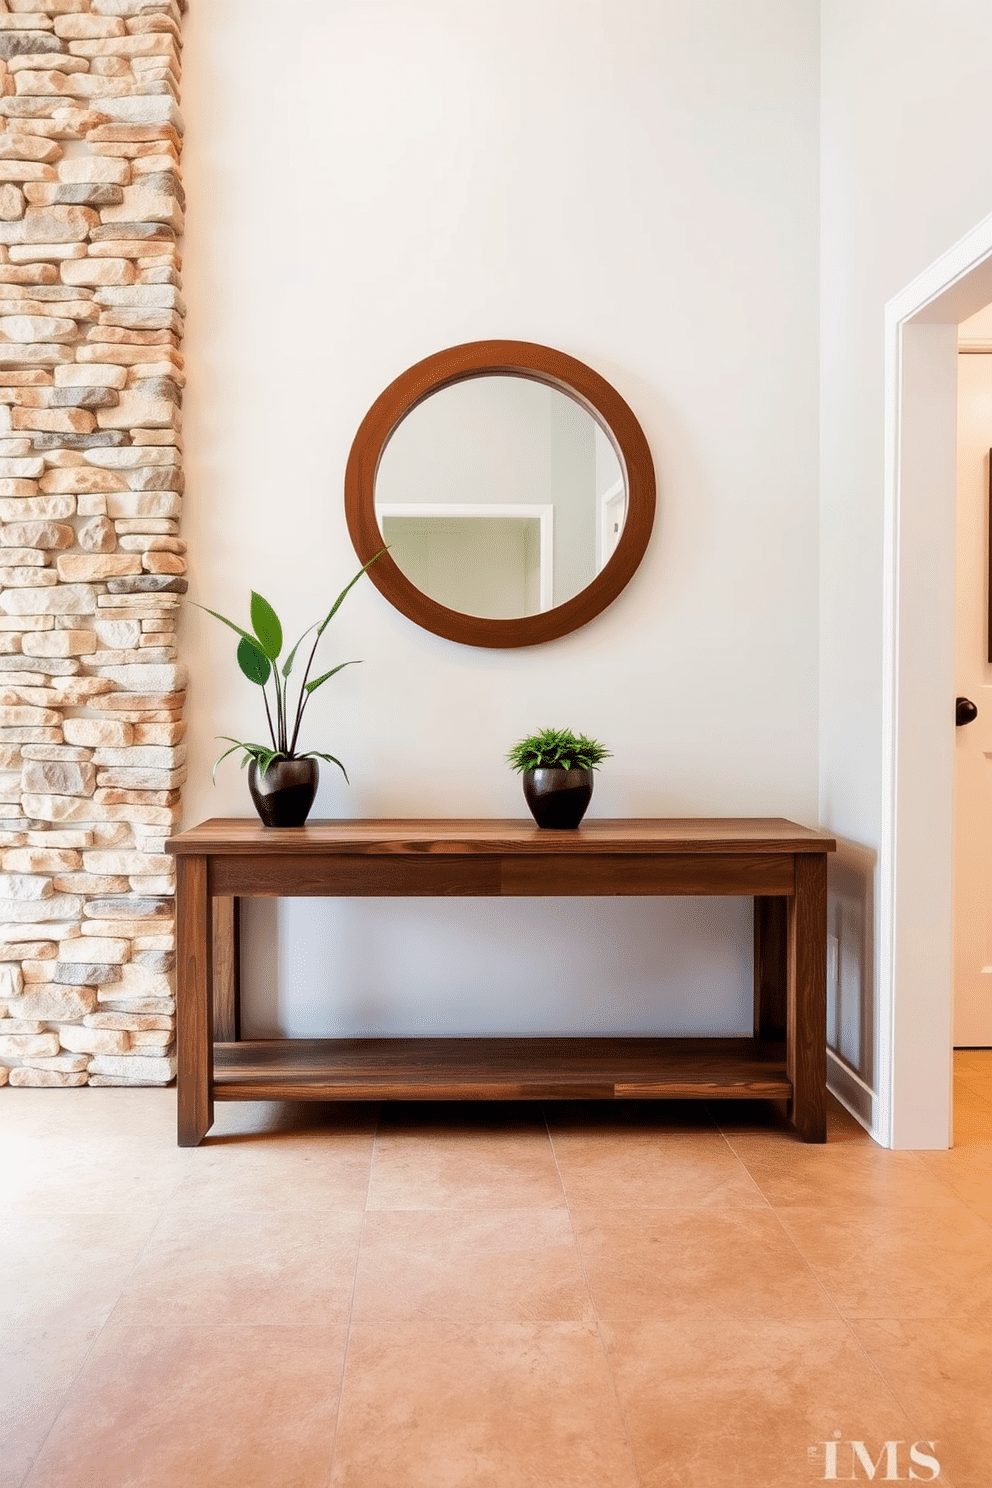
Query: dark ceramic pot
558,798
284,794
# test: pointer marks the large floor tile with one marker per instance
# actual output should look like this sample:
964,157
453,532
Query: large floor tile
940,1369
768,1118
967,1173
750,1404
658,1116
851,1175
321,1171
241,1123
651,1170
276,1268
39,1365
67,1270
86,1174
972,1117
463,1161
203,1407
488,1265
695,1263
904,1263
496,1405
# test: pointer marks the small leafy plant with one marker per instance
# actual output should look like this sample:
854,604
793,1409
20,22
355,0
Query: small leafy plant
258,653
557,749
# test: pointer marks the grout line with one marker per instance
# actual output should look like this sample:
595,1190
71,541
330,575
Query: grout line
628,1439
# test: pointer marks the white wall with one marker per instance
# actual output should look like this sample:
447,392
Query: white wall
369,182
906,171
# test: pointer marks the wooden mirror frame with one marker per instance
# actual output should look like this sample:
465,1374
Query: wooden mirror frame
500,359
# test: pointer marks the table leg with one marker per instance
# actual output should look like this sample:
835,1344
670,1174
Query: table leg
771,963
806,1037
227,969
194,993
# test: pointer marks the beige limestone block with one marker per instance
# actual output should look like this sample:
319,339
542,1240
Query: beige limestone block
42,535
26,1077
19,950
31,252
54,1003
59,808
131,1022
119,635
65,599
100,374
37,328
163,563
86,170
84,27
61,778
152,1041
98,271
96,733
55,752
145,756
91,567
137,982
67,1063
11,202
89,1040
46,61
17,144
19,1045
118,796
142,1070
73,837
25,170
98,536
120,457
147,883
133,929
58,224
59,643
24,887
112,951
38,860
91,506
99,861
78,690
40,509
137,408
132,504
4,1074
11,981
29,576
53,420
18,467
15,486
89,883
23,557
80,479
139,677
141,779
21,1025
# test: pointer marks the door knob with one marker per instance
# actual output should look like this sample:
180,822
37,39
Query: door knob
964,711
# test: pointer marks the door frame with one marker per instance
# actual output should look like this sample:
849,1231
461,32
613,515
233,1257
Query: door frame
916,876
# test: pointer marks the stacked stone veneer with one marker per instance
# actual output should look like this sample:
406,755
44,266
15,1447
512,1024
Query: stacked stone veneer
91,564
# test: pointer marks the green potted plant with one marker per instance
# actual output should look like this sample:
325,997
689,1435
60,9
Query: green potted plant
282,779
557,768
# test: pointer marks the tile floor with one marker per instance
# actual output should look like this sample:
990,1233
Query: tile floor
501,1297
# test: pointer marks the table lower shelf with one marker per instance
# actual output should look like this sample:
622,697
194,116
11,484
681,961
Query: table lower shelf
500,1069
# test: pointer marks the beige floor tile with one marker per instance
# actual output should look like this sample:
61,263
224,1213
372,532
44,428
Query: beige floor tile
464,1163
199,1408
495,1405
972,1117
908,1263
940,1370
852,1175
237,1123
490,1265
88,1175
67,1270
140,1115
749,1404
737,1118
656,1170
275,1268
39,1365
319,1171
695,1263
967,1173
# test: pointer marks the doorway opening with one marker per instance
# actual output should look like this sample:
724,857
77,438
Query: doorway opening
916,866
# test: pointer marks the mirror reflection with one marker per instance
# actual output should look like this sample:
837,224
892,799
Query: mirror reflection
500,496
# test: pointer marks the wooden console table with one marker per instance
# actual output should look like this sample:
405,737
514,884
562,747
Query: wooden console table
783,866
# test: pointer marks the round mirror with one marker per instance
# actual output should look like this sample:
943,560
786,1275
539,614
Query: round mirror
512,486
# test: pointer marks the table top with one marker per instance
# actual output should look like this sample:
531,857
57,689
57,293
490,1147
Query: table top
494,837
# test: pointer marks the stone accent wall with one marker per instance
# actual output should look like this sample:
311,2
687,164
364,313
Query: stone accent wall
91,564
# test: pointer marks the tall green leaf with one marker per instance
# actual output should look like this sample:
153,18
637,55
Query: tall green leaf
268,628
253,662
341,597
312,686
288,664
229,623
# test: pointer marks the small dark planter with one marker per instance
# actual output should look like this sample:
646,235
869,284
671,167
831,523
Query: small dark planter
558,798
284,794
